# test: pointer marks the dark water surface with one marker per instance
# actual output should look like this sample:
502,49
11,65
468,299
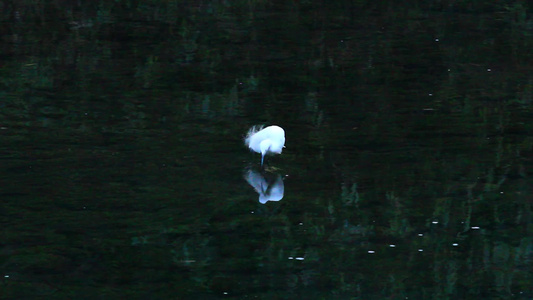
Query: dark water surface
407,172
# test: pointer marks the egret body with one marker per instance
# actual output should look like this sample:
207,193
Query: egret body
265,140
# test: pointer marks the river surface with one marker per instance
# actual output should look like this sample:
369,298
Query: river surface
407,171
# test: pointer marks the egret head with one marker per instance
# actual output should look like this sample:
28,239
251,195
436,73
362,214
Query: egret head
276,148
267,146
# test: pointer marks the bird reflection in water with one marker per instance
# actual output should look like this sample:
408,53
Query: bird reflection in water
268,185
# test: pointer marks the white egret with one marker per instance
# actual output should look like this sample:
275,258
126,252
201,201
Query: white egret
265,140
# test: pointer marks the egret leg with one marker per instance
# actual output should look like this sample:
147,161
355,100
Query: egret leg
262,157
